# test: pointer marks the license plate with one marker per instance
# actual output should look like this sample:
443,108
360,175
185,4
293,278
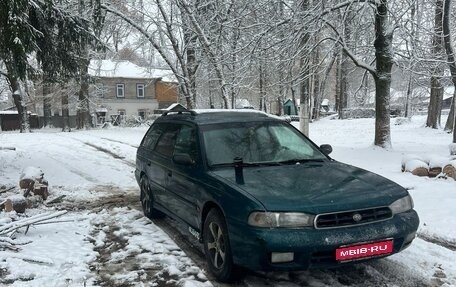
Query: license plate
364,250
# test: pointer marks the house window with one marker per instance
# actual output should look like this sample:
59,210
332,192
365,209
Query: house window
120,90
140,90
99,91
142,114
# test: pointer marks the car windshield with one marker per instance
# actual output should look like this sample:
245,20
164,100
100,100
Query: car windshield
257,143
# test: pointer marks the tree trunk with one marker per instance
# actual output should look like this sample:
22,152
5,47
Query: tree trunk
407,98
261,86
304,97
19,103
451,120
384,64
304,73
191,65
65,113
435,102
316,86
337,105
326,75
451,63
342,83
83,113
47,107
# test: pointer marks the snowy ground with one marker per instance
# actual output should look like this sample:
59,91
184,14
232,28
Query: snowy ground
105,240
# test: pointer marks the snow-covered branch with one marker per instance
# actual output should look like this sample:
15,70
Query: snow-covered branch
208,50
349,53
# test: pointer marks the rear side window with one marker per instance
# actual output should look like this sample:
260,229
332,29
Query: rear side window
152,136
165,144
186,142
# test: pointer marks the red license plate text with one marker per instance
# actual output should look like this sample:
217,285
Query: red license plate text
364,250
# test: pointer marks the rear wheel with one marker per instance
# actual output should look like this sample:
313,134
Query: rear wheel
217,247
147,199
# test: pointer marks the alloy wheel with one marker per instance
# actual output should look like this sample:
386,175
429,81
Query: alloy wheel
216,245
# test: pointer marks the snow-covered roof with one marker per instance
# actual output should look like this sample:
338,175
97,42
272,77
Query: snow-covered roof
126,69
13,113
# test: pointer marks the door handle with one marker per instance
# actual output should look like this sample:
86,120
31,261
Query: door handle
169,173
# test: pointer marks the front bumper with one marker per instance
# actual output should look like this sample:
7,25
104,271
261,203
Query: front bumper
314,248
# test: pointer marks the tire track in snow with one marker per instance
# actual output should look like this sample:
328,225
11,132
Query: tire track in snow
438,241
68,167
114,155
121,142
104,150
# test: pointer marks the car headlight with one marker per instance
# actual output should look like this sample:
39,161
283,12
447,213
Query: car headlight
280,219
402,205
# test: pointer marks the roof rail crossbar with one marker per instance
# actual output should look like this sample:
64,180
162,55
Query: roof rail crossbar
179,109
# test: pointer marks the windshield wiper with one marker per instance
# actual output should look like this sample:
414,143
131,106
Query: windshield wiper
300,160
244,164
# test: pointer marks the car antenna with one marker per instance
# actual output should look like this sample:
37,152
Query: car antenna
238,170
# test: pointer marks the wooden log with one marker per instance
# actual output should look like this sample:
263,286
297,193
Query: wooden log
407,158
26,183
57,200
11,227
7,205
6,190
41,190
450,171
420,171
19,204
7,148
417,167
435,171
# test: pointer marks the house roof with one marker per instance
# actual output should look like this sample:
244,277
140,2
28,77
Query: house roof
126,69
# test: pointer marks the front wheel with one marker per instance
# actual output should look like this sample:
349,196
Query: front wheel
147,199
217,247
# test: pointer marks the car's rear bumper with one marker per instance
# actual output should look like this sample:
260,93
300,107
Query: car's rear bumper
314,248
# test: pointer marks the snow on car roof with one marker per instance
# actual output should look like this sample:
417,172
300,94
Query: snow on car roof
207,111
216,116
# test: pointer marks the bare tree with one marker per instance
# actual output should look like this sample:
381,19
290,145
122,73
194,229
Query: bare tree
435,103
451,122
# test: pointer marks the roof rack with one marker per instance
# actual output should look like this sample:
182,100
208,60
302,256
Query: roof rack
178,109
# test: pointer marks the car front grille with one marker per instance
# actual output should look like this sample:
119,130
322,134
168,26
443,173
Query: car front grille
356,217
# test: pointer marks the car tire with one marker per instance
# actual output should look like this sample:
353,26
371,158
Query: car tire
147,200
217,247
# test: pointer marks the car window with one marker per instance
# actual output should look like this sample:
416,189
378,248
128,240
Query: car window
165,144
186,142
256,142
150,139
292,141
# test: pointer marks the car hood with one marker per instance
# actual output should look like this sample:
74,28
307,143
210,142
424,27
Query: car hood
314,187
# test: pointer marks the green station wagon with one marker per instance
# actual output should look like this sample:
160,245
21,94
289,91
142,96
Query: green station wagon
259,194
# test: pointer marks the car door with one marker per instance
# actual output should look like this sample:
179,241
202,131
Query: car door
146,160
161,165
183,180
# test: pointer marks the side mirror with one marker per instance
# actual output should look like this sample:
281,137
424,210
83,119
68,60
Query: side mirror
183,159
326,148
